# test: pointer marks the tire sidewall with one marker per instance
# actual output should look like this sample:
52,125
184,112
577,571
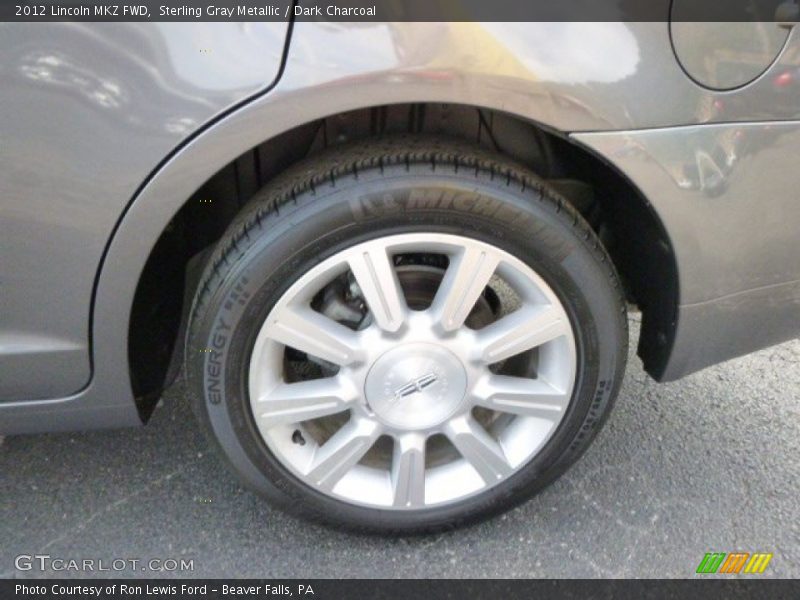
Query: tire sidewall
529,224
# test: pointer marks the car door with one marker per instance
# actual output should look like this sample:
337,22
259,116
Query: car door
88,111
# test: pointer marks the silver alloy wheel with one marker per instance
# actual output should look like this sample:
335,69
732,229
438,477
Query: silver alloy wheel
412,376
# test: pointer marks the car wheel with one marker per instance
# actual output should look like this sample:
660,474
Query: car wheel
405,335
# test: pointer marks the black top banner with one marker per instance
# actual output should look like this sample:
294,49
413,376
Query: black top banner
782,11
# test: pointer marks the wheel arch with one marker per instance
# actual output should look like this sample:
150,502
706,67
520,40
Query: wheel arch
143,289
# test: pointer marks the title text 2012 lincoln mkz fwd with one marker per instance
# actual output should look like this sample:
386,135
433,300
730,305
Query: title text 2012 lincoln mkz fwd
393,261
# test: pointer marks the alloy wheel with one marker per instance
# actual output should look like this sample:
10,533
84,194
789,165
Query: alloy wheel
412,371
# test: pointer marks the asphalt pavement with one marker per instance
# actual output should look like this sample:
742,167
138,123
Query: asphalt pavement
708,463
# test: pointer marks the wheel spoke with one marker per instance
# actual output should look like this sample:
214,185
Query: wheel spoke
295,402
478,448
342,452
376,276
521,396
408,471
520,331
315,334
463,283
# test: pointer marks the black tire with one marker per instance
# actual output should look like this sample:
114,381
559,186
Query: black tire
351,194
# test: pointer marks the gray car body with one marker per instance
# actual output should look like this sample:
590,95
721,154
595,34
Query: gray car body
108,129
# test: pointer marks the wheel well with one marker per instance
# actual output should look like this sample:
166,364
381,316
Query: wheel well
616,210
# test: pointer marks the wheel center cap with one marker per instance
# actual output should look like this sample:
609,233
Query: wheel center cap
415,386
